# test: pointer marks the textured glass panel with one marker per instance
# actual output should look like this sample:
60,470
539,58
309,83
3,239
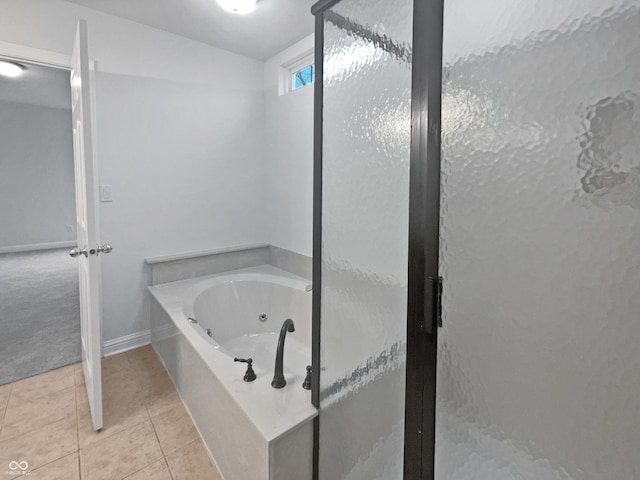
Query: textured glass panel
539,358
367,100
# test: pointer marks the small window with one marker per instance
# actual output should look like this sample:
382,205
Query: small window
304,76
297,72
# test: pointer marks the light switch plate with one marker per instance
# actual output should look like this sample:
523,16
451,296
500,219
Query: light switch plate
106,193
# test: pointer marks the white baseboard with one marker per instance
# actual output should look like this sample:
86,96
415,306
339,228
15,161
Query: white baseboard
37,246
128,342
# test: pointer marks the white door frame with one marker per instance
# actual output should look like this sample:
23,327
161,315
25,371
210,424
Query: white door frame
13,51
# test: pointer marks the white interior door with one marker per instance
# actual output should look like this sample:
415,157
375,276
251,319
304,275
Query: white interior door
86,213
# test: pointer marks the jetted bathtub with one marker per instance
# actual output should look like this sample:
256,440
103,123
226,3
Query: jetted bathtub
198,326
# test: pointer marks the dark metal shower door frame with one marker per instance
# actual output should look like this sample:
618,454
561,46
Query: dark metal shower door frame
424,220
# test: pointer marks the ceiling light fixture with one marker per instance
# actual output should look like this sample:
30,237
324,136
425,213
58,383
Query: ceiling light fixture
10,69
240,7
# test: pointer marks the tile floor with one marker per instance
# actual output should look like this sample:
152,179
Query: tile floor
147,434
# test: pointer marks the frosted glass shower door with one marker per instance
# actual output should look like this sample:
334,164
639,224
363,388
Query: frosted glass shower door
365,211
539,355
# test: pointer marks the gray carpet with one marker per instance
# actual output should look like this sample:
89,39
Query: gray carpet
39,313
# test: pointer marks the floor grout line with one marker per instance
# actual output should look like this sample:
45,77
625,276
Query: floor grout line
125,429
155,431
26,432
53,461
166,462
128,475
137,380
31,396
200,439
164,456
39,427
142,391
146,407
73,452
4,410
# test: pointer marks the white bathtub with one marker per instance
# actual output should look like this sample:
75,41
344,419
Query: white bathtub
252,430
230,314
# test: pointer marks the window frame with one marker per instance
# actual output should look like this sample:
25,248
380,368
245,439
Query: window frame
291,67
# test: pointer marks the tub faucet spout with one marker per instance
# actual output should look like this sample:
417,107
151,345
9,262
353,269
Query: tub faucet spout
278,375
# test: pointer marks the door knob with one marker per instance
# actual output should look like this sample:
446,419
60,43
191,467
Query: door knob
76,252
106,248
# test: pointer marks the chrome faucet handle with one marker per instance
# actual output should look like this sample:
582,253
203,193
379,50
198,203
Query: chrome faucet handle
307,381
249,375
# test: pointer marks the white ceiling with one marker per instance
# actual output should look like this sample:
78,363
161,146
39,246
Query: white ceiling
37,85
269,29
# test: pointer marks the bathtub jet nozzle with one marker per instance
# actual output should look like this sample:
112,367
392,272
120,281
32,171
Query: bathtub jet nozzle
278,375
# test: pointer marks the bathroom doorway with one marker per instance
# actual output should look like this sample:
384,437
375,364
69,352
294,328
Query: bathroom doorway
80,72
39,299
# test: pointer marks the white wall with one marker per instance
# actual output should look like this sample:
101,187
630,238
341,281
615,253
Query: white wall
180,138
289,148
37,198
